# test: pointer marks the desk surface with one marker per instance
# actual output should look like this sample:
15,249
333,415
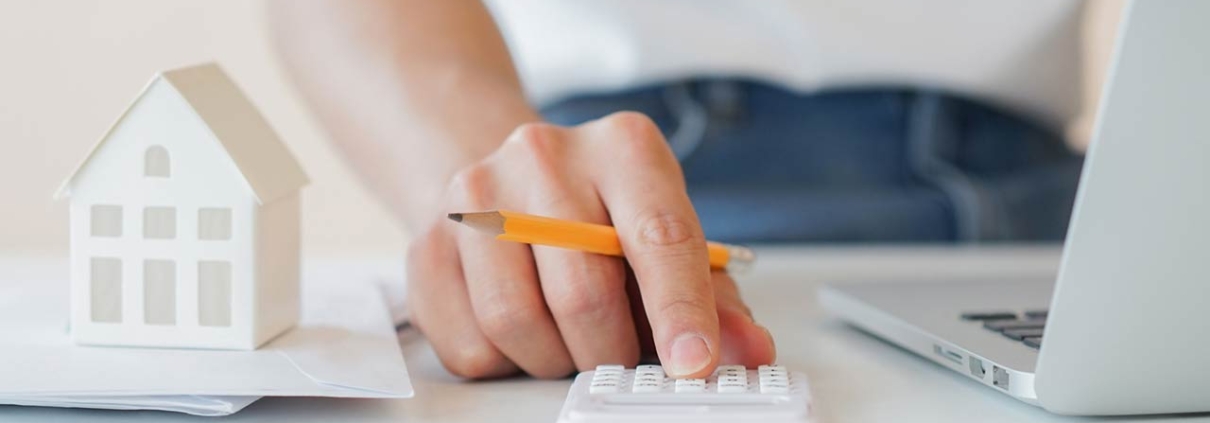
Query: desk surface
855,377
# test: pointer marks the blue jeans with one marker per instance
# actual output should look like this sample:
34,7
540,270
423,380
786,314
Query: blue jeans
763,164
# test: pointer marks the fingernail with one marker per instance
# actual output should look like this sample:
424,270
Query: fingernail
689,355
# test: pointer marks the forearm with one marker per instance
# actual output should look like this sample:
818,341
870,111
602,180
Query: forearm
410,90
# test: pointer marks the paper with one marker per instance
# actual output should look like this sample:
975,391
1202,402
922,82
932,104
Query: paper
189,404
345,346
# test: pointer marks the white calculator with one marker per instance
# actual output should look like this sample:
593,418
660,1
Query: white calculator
612,393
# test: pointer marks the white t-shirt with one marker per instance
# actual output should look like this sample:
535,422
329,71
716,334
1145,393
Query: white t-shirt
1021,55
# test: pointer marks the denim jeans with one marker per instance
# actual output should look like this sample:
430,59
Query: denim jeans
763,164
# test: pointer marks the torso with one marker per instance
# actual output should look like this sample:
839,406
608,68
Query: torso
1023,56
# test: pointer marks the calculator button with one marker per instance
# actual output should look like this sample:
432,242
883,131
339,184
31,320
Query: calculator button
732,388
774,369
649,369
604,387
606,380
732,369
690,385
603,379
648,388
618,368
775,388
648,378
732,379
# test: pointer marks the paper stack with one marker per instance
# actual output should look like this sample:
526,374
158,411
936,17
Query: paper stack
345,346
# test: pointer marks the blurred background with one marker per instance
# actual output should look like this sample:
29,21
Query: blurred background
70,67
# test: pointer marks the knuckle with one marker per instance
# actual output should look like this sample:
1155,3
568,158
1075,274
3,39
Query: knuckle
638,135
635,124
667,229
687,305
474,362
590,299
422,250
509,319
472,186
535,137
541,147
425,256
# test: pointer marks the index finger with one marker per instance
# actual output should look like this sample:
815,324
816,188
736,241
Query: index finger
644,191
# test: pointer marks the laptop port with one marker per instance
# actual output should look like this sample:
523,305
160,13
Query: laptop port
949,355
999,378
977,369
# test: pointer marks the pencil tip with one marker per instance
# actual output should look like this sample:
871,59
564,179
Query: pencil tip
457,217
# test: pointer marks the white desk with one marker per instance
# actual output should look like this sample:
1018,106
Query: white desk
855,377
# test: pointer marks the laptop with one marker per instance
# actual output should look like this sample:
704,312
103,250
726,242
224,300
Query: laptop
1125,326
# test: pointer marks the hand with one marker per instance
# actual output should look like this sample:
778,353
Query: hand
491,308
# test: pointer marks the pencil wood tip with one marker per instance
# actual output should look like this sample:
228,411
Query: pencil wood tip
490,221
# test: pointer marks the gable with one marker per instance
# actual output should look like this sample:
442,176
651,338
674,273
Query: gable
160,125
260,157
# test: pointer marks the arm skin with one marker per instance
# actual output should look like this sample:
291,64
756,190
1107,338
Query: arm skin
427,88
422,97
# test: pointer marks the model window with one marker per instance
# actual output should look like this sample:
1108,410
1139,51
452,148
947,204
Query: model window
156,163
214,293
159,292
159,223
105,221
105,289
214,224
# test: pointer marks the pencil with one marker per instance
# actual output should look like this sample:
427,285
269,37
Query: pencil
581,236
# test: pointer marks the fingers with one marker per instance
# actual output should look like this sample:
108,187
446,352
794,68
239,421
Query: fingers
506,298
663,241
586,292
440,307
744,341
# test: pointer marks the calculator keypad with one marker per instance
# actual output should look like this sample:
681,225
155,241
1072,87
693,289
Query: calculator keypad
649,379
614,394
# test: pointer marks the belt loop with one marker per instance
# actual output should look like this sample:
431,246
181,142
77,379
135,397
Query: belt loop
691,119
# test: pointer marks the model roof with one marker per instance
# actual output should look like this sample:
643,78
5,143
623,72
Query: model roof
261,157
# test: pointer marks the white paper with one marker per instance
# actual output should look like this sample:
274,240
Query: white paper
208,406
345,346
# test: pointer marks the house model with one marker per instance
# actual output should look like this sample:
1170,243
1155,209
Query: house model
185,222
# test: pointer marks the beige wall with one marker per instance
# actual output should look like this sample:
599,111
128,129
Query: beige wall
69,67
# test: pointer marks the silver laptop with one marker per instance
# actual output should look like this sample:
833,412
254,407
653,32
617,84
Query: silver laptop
1125,327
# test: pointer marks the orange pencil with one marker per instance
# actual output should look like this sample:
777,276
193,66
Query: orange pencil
581,236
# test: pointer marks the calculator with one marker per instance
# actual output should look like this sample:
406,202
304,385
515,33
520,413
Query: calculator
613,393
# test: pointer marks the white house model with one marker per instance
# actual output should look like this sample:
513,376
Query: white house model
185,222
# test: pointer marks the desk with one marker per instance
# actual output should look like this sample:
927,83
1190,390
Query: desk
855,377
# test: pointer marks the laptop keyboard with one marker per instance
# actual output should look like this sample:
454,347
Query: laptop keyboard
1024,327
